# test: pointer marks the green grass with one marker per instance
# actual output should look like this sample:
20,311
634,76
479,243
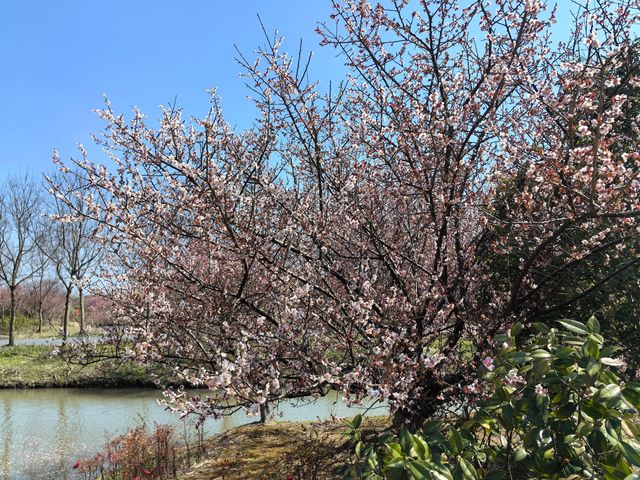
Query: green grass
33,366
28,328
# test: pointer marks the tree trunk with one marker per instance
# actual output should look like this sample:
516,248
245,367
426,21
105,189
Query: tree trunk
67,311
12,317
264,412
40,317
415,414
80,294
424,404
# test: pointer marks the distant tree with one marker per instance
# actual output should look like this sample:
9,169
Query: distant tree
20,211
41,287
99,309
90,258
70,248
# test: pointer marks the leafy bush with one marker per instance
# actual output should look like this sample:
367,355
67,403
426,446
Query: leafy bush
551,409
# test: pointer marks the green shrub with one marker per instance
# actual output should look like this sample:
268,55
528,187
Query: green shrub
551,409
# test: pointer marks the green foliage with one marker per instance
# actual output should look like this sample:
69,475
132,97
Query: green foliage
23,322
554,408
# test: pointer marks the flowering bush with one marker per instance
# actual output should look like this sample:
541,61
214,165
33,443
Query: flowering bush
554,408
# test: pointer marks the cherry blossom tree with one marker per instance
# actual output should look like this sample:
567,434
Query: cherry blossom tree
368,236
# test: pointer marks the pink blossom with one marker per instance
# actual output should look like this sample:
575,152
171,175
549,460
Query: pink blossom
541,391
488,364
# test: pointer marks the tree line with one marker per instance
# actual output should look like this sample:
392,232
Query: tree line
44,259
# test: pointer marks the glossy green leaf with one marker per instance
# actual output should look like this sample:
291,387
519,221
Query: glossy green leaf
612,362
420,470
405,440
632,397
420,447
456,443
608,392
540,354
593,325
396,449
516,329
591,349
519,357
574,326
593,368
396,471
357,421
468,469
631,453
508,415
630,428
541,327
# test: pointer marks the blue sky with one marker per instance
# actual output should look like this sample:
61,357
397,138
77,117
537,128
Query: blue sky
58,58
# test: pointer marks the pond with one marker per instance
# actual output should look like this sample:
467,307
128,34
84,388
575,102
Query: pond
45,430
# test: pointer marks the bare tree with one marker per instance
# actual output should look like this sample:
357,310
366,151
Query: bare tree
89,257
41,287
20,209
71,250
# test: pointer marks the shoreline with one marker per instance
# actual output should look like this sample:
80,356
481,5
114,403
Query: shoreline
257,451
32,367
81,383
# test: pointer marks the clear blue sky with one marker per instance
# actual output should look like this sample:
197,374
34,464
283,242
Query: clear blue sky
57,58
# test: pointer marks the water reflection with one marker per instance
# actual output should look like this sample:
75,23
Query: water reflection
7,430
45,431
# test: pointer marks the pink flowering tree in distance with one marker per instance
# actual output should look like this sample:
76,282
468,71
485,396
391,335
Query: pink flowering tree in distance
364,238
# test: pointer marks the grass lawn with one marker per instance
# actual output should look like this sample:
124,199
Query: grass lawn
32,366
30,330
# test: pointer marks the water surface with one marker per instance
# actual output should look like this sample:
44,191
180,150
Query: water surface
44,431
